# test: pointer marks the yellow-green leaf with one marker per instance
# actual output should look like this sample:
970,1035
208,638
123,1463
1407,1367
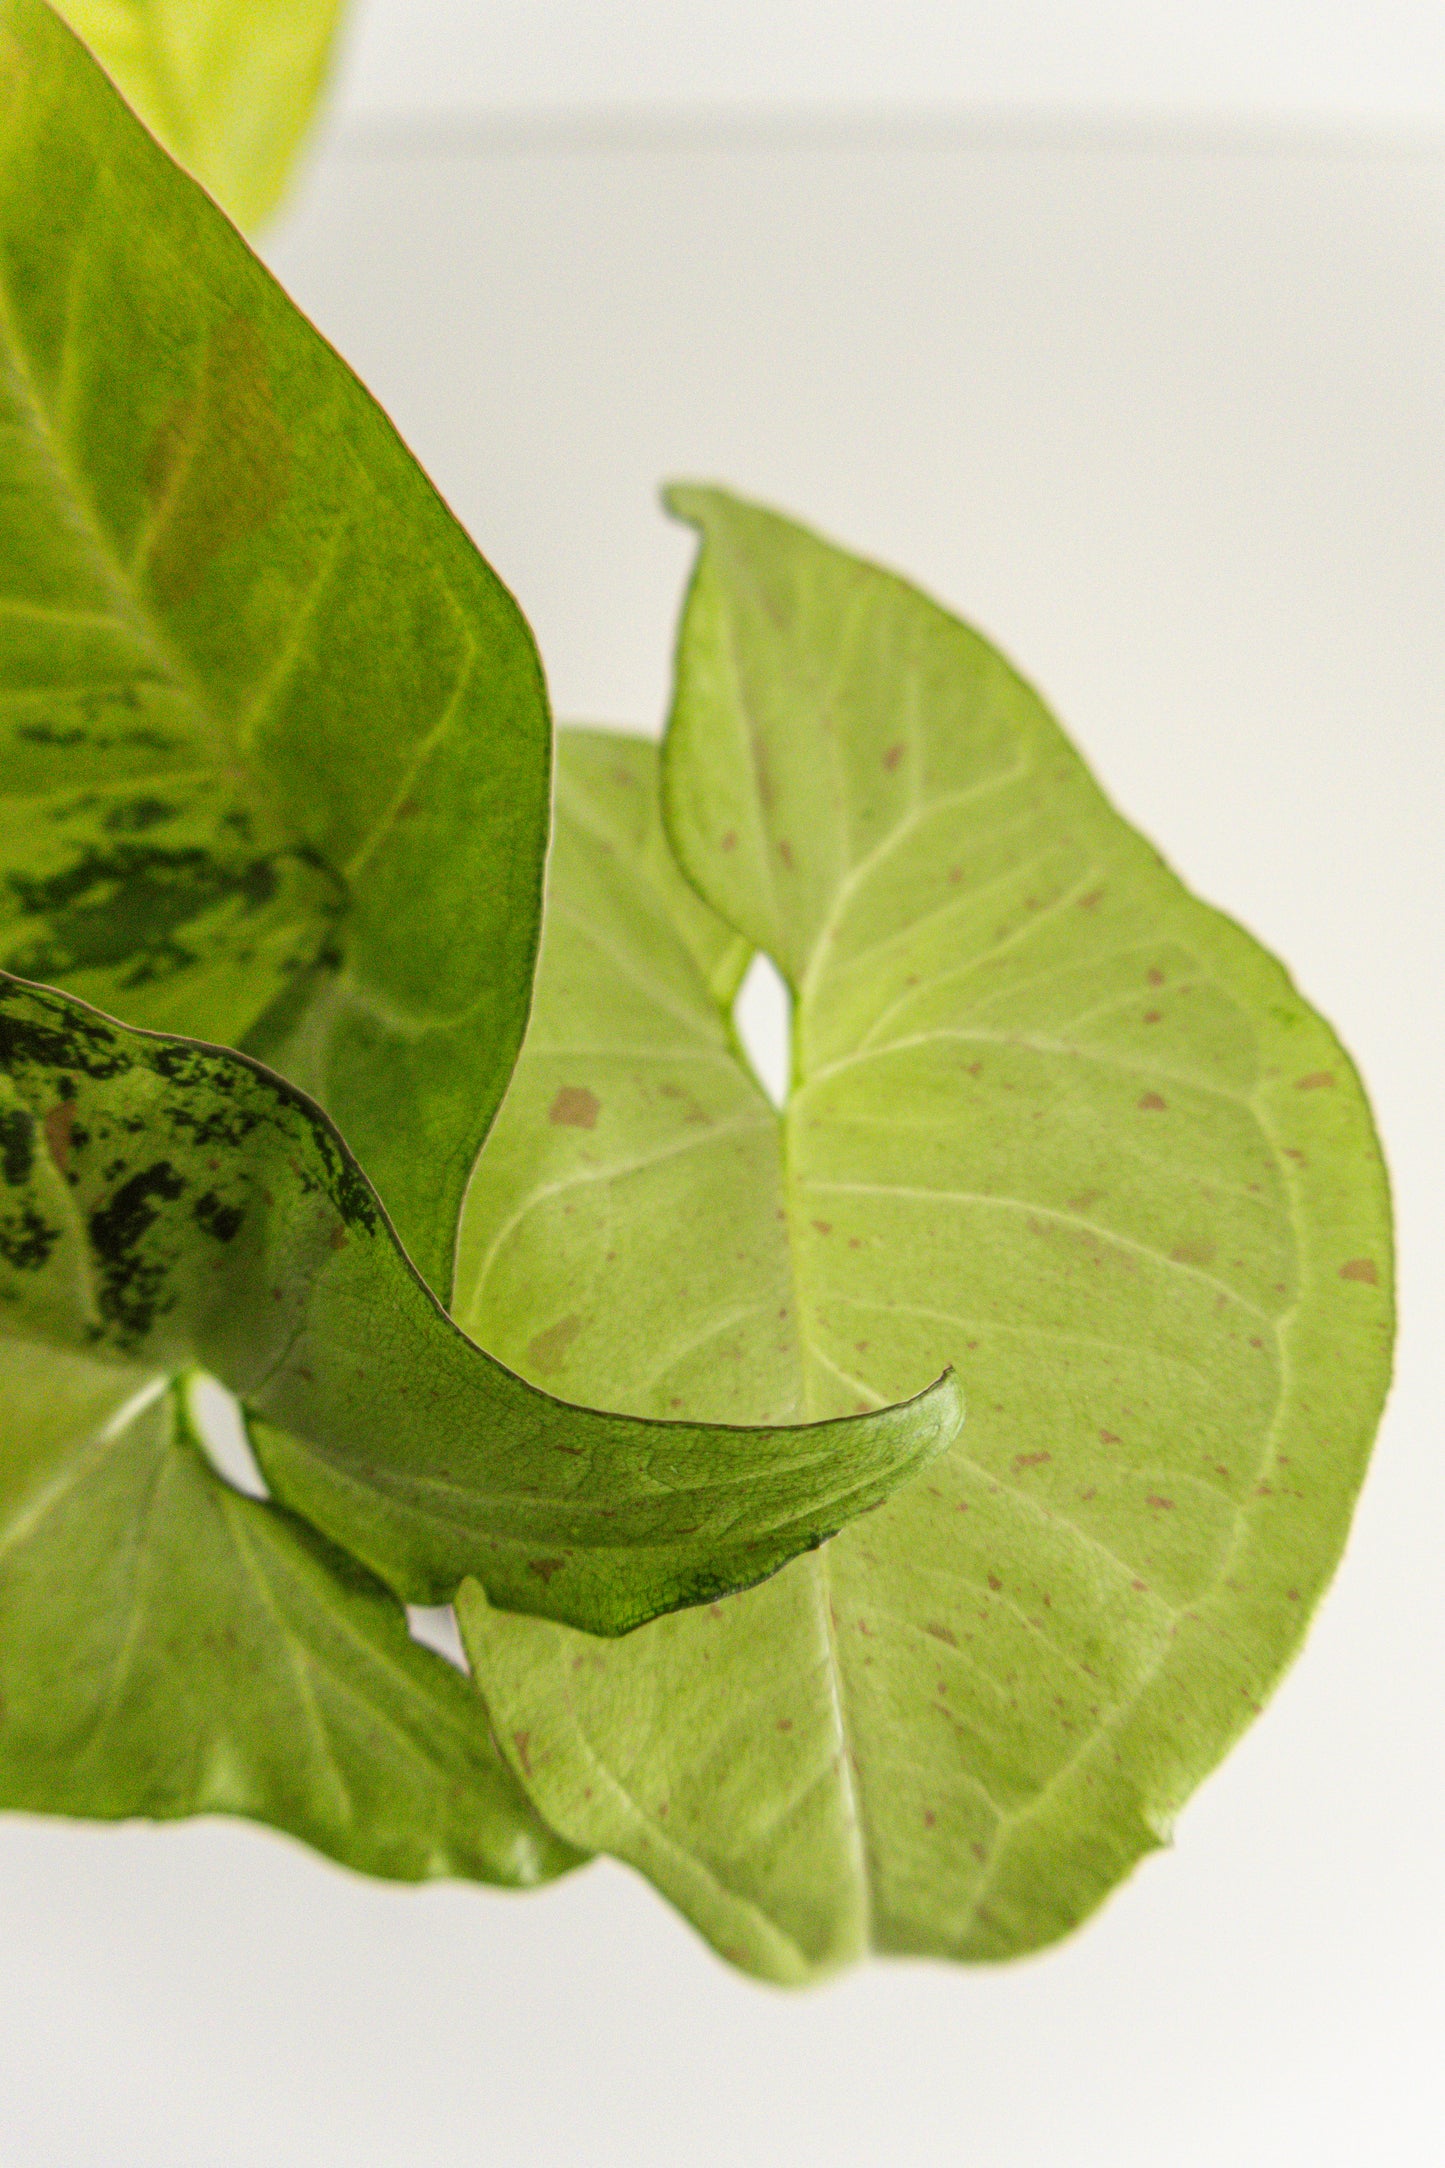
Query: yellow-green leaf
229,86
1052,1120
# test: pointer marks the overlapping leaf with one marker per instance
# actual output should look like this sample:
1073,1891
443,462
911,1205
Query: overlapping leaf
174,1205
168,1647
1052,1120
273,739
229,86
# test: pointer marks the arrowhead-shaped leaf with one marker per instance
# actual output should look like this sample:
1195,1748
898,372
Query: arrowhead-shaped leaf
1052,1120
168,1647
274,742
175,1205
229,86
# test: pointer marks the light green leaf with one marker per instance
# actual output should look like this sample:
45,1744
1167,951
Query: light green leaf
168,1647
274,743
229,86
1053,1121
174,1205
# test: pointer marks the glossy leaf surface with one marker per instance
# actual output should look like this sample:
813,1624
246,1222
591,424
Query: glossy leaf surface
168,1647
1053,1121
175,1205
229,86
274,743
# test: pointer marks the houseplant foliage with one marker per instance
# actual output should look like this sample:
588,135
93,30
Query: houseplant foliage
1052,1119
276,772
229,86
274,787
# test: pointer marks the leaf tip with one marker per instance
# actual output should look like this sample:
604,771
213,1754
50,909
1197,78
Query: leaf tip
691,501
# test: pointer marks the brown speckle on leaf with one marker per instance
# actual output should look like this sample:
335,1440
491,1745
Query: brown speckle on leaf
1361,1268
730,840
785,852
574,1108
1160,1505
219,466
548,1352
824,1227
58,1124
892,757
1152,1103
521,1740
544,1568
1318,1080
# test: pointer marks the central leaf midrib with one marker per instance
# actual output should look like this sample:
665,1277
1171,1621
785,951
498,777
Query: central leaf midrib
817,1565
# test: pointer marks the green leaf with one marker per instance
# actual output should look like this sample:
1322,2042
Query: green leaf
1053,1121
175,1205
274,743
168,1647
229,86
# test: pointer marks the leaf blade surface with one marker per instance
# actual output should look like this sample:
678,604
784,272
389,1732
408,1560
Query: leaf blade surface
1052,1120
169,1648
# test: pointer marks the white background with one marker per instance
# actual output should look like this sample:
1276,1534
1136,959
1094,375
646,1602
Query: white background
1318,58
1165,416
